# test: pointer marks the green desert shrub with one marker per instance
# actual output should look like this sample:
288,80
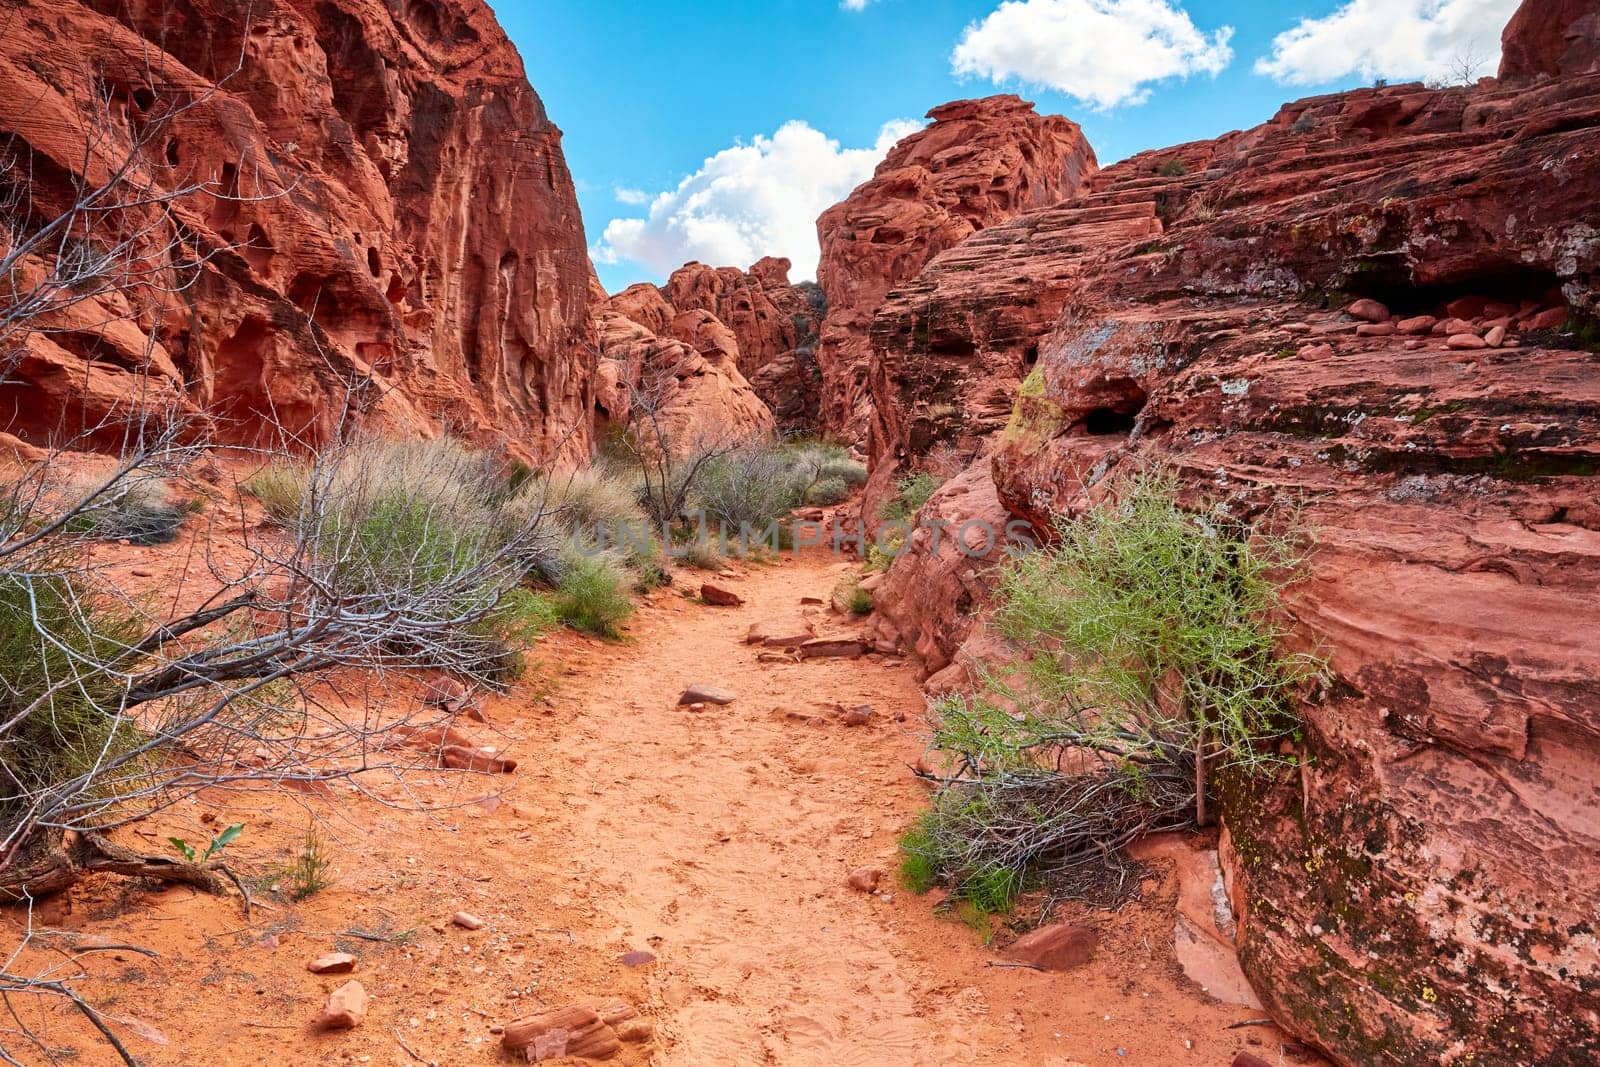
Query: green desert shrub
421,527
55,690
1151,643
592,596
829,491
753,486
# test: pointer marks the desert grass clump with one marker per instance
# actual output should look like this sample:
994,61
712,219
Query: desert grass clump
591,596
701,553
851,597
1152,657
280,486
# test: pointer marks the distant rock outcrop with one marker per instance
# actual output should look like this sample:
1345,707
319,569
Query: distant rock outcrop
395,230
979,163
679,370
764,325
1374,311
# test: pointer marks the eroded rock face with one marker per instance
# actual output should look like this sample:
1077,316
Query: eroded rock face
1423,888
979,163
394,229
687,375
773,326
1549,38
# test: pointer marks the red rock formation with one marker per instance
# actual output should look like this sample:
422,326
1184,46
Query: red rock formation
687,375
979,163
1549,38
1438,841
393,225
774,325
770,317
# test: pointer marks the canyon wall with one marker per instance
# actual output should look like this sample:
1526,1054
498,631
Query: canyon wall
980,162
1376,313
388,228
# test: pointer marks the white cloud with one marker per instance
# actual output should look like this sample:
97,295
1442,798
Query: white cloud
855,5
1104,52
1391,39
632,197
748,201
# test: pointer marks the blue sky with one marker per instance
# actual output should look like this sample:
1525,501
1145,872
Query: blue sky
722,128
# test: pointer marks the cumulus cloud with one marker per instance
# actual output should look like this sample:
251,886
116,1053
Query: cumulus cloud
1446,39
1106,53
632,197
748,201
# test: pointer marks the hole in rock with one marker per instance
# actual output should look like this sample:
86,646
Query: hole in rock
374,264
1120,401
1108,422
1505,283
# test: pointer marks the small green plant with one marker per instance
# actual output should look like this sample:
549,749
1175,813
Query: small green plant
227,837
1172,168
1304,124
910,495
919,861
310,870
592,595
851,597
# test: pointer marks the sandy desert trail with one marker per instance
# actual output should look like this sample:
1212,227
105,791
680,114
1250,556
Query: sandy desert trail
718,840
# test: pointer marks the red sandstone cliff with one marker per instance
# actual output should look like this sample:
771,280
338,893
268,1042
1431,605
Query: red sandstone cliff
979,163
393,225
1358,310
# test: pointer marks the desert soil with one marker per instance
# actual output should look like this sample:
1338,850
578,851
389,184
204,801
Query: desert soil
718,841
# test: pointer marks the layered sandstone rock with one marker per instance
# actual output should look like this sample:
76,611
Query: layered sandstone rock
682,384
392,231
1421,889
772,328
979,163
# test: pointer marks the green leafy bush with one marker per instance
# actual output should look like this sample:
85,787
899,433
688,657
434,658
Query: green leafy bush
1152,654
